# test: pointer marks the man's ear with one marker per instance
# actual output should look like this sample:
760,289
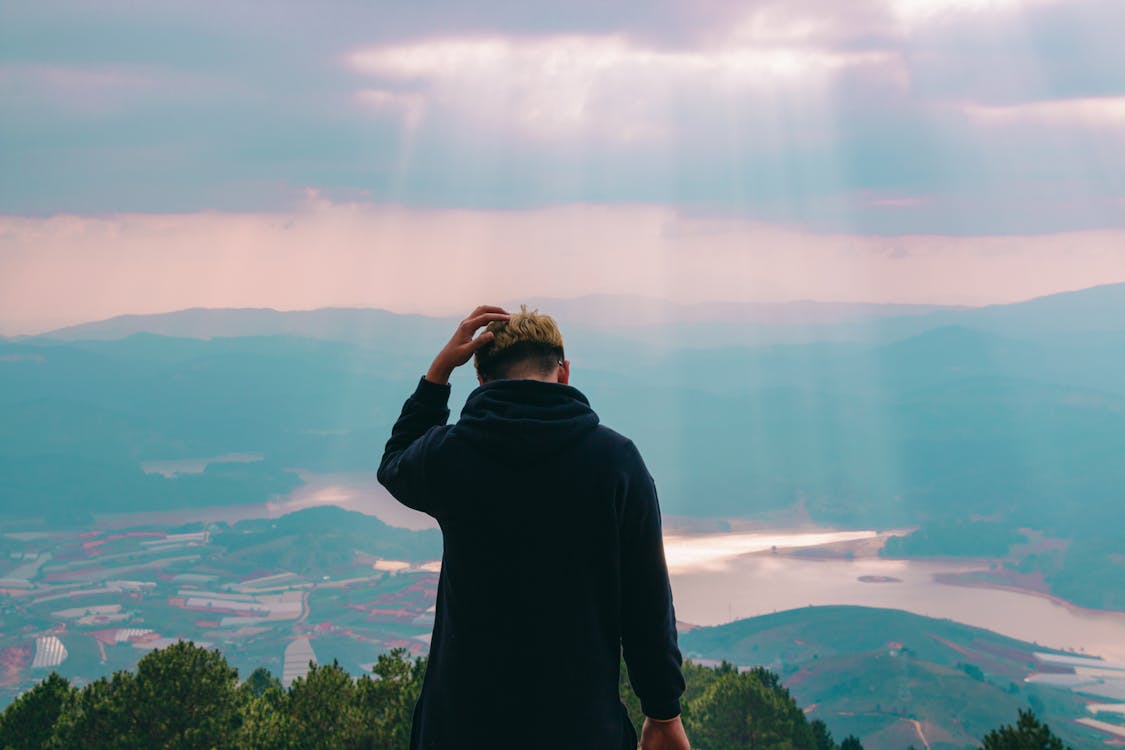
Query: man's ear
564,372
480,380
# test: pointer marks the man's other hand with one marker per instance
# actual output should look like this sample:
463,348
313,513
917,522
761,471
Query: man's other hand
462,345
664,735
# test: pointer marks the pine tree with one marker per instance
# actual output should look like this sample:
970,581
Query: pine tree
822,736
388,700
259,681
181,697
100,716
748,710
266,723
324,710
28,722
1028,734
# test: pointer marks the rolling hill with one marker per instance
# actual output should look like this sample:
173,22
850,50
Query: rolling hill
893,678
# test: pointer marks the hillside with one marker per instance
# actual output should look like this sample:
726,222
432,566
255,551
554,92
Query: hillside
886,675
182,694
89,601
342,324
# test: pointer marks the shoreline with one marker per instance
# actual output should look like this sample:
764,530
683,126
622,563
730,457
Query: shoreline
950,579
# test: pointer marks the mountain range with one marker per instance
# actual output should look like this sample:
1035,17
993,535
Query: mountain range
868,417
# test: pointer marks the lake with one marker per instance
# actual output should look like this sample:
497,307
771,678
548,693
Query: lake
720,577
731,585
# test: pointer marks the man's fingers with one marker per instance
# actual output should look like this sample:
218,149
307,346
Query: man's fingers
472,324
487,309
480,341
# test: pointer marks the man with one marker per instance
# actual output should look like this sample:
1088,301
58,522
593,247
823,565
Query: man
553,560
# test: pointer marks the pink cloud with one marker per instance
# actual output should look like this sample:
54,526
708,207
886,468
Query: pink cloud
66,269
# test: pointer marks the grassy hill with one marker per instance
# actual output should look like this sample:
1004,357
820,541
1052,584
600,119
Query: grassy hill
320,540
886,675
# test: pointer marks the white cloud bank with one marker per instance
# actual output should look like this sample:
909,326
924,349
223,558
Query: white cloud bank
606,87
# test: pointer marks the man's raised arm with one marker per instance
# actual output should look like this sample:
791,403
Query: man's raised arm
403,467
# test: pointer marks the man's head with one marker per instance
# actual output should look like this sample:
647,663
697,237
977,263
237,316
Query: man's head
526,346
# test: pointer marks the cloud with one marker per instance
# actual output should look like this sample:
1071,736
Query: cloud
605,87
831,115
67,269
1019,52
1092,112
93,91
923,12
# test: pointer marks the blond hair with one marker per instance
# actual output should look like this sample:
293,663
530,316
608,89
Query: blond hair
527,335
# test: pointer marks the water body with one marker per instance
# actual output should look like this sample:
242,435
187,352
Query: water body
172,467
717,578
731,584
358,491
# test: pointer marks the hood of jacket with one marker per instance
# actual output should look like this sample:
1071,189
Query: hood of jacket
523,420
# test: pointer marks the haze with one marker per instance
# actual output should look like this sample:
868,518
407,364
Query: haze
427,160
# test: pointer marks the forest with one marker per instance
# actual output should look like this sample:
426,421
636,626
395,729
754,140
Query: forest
184,696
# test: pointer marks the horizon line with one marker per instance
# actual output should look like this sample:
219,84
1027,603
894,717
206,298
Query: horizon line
596,295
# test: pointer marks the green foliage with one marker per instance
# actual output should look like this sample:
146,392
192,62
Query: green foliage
957,538
184,696
100,717
260,681
388,701
748,709
315,541
824,739
329,709
181,697
265,723
28,721
1092,572
323,708
972,670
822,736
1028,734
863,684
629,698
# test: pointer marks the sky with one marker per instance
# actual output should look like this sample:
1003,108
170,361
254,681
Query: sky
428,157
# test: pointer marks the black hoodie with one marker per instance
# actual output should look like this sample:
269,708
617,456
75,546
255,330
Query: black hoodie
553,565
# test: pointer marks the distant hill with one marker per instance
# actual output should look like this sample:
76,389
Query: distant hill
316,540
614,310
884,675
334,323
598,311
1013,413
650,321
950,422
1099,309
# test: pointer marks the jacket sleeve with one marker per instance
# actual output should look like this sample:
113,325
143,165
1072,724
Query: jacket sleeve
648,634
403,468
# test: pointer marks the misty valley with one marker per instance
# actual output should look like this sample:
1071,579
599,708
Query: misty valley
952,474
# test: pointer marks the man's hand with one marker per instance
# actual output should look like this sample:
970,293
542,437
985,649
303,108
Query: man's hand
664,735
462,346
